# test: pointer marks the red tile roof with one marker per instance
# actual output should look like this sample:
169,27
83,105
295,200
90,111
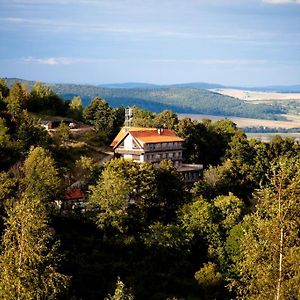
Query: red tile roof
147,135
74,194
156,136
123,132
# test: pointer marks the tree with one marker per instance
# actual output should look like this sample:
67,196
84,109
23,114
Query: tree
143,118
198,218
166,119
170,236
28,258
171,193
31,133
99,114
270,247
4,90
119,119
76,108
121,292
110,197
7,188
87,171
123,195
230,210
210,280
41,176
62,134
215,181
16,100
4,136
43,99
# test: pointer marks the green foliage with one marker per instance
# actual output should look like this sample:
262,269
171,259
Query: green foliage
198,218
269,264
170,193
28,258
143,118
170,236
41,176
121,292
86,170
44,100
31,133
215,181
166,119
205,142
16,101
99,114
122,194
230,210
76,108
62,134
111,195
180,100
4,136
7,187
4,90
209,278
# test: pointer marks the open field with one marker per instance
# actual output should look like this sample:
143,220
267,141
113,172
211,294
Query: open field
294,121
266,137
258,96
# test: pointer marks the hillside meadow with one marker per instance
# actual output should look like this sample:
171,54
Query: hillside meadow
292,121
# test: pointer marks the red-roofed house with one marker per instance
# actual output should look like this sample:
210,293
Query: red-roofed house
154,145
148,145
73,200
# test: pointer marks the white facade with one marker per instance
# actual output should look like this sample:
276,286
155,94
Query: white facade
153,152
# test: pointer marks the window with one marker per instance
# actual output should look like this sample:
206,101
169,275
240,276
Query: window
134,145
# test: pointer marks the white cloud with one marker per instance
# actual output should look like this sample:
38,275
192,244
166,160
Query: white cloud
282,1
51,61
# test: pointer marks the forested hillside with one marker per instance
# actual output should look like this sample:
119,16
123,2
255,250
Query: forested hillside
180,100
139,231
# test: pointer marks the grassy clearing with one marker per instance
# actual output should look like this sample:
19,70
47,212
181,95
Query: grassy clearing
266,137
293,122
258,96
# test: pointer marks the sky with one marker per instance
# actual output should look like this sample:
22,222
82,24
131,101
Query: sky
231,42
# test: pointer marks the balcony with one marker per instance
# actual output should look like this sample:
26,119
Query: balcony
160,148
129,151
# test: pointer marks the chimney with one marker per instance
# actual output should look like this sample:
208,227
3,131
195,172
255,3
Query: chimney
160,131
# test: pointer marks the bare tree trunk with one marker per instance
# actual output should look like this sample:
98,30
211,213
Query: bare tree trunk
280,266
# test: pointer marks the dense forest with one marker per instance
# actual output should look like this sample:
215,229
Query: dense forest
142,233
186,99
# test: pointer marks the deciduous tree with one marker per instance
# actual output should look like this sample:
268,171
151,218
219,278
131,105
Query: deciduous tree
41,175
28,258
269,264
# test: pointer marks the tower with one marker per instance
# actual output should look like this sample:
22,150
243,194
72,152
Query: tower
128,116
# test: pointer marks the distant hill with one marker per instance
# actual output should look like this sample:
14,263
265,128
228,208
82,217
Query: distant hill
180,99
128,85
141,85
203,85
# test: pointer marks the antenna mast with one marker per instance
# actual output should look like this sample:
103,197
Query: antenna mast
128,116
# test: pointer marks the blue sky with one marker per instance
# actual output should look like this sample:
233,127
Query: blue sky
236,42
